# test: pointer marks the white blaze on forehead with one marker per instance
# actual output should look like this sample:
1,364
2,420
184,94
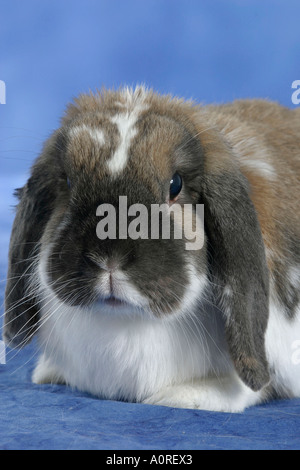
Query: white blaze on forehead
126,126
132,103
127,131
97,135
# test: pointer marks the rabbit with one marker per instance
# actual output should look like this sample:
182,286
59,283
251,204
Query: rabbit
147,320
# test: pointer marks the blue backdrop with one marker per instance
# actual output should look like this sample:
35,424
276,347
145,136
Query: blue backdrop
50,50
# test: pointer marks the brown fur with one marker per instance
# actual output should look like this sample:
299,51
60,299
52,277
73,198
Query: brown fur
265,131
241,160
257,130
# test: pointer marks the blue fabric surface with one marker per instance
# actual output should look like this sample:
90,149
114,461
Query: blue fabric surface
56,417
50,51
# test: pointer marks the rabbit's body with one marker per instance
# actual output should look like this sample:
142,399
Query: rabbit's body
148,320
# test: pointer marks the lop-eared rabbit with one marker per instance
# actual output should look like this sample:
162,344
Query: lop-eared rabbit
145,319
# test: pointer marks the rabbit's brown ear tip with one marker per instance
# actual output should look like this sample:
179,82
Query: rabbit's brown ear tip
253,372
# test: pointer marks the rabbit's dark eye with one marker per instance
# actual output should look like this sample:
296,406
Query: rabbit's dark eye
175,185
68,182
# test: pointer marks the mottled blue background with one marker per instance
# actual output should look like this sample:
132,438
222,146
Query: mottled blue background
50,50
212,51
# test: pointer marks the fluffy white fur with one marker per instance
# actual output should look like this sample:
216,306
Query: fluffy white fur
179,361
282,338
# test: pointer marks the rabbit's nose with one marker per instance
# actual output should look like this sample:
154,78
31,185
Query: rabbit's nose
109,265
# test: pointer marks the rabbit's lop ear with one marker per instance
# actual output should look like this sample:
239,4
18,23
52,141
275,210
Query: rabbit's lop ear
36,203
237,260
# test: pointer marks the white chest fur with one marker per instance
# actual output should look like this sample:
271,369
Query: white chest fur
127,357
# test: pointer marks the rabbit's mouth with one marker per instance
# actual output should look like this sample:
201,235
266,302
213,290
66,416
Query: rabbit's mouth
114,306
114,302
